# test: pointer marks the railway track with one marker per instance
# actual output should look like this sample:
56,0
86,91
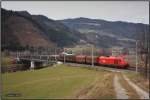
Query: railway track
138,69
133,69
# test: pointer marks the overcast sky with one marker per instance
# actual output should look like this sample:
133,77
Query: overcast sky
130,11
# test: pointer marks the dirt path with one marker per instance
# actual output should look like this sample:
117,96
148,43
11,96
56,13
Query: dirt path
140,92
120,91
101,88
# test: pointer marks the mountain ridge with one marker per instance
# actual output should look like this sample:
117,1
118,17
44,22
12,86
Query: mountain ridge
23,29
122,33
48,34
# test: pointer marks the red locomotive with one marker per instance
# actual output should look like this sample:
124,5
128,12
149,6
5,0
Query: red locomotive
113,61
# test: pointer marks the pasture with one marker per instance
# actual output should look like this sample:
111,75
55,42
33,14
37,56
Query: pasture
59,81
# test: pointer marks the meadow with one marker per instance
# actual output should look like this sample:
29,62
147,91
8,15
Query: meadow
58,81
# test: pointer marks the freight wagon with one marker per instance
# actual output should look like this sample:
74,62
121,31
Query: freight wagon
88,59
80,59
70,58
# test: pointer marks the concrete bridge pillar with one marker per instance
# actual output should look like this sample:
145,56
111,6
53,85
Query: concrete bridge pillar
32,65
44,64
18,59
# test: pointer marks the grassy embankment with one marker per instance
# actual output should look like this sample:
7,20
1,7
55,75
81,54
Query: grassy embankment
139,80
6,61
61,81
8,65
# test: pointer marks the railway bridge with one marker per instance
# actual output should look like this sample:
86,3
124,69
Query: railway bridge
36,60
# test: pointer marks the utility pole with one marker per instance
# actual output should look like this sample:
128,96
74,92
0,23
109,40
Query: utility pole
17,56
136,57
92,57
64,56
55,55
146,54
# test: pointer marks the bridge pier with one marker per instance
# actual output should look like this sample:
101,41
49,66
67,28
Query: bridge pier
32,65
18,59
45,64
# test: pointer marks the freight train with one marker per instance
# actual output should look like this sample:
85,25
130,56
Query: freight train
117,62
